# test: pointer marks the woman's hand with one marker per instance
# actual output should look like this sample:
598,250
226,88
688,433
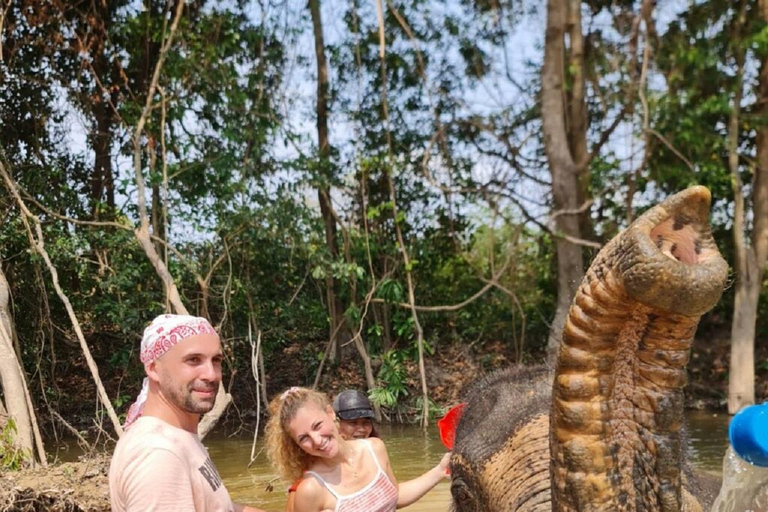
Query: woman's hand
445,464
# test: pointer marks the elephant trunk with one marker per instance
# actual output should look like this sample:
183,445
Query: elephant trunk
617,407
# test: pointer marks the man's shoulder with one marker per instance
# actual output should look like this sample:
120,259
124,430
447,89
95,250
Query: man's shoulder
149,434
144,449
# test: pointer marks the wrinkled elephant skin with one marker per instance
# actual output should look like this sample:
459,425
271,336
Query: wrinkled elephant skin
605,432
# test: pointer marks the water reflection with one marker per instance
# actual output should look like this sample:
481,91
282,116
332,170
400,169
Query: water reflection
412,453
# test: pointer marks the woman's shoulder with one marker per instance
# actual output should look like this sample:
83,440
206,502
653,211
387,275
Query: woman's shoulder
309,486
377,446
376,443
308,483
373,442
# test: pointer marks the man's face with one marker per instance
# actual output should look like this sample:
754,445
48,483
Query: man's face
188,375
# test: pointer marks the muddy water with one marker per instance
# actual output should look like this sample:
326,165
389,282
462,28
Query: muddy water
708,440
413,453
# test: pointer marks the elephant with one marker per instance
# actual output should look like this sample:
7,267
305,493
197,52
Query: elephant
605,430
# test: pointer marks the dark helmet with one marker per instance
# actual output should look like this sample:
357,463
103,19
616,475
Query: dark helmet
352,404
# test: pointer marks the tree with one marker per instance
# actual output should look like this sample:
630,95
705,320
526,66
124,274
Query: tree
324,164
711,127
750,257
12,379
561,155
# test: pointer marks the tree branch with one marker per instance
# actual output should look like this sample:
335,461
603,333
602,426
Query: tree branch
39,246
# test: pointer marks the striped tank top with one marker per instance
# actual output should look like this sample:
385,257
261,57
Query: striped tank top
380,495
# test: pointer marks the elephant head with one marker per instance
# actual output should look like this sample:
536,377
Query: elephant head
605,431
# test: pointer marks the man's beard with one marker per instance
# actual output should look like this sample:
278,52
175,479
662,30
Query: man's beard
186,400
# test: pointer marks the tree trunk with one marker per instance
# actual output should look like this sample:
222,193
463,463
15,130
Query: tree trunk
370,380
158,226
577,120
741,377
564,171
102,187
11,378
750,260
335,310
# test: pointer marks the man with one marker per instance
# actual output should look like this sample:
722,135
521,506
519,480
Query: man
159,464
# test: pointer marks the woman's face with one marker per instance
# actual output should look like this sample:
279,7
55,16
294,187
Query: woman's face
360,428
314,430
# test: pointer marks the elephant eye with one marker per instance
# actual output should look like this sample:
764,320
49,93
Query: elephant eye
460,491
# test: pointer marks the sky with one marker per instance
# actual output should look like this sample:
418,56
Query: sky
493,94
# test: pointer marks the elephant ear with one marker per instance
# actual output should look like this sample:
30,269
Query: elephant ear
447,425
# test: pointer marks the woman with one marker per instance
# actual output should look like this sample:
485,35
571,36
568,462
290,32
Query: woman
355,416
346,476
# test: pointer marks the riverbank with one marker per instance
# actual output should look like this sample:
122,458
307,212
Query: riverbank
449,370
80,486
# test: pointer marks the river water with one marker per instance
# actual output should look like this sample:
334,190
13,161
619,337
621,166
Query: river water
412,452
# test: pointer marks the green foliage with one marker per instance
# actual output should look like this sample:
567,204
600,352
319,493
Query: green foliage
393,377
12,458
459,156
435,411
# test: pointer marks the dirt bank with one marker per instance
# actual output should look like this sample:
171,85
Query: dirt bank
72,487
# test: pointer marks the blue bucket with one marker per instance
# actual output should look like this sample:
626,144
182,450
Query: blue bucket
748,434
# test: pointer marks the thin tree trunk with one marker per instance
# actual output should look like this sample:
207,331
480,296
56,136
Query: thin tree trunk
264,396
38,245
263,380
335,310
6,319
370,379
12,379
142,233
158,226
577,120
399,232
750,259
97,27
565,172
102,188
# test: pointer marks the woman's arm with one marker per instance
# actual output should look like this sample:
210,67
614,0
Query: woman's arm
310,496
291,499
412,490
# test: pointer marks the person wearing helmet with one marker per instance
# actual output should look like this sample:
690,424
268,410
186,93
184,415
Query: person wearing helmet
356,421
355,414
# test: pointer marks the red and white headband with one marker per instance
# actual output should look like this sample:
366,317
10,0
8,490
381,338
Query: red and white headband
164,333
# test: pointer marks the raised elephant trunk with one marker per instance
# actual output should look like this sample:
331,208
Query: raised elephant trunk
617,398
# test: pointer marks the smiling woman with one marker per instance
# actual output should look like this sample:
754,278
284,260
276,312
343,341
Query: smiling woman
347,476
355,414
354,417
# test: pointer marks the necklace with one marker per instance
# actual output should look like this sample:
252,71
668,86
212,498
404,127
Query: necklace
353,463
